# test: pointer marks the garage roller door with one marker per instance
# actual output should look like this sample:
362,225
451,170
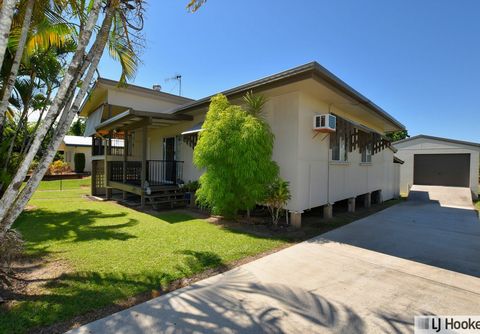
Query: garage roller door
442,169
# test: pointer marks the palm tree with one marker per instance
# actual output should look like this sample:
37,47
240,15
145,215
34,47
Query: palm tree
76,63
6,15
63,126
45,31
254,103
65,104
8,85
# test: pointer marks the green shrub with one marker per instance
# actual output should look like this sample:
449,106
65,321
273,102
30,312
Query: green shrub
79,161
278,194
58,167
192,186
235,149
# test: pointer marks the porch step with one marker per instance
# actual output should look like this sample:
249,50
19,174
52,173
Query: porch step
167,196
164,195
163,188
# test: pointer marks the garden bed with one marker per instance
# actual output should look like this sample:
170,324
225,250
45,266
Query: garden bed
65,176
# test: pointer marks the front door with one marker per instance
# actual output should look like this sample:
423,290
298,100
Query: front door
170,168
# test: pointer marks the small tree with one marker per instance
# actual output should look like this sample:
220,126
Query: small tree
277,197
79,162
397,135
235,149
77,128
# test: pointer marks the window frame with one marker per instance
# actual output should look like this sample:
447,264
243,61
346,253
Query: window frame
341,145
366,155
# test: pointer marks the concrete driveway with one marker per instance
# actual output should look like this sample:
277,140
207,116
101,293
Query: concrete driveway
374,275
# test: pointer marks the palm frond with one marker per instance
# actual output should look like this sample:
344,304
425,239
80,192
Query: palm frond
254,103
121,49
47,35
195,5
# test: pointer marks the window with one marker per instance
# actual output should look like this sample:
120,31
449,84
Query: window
339,149
367,153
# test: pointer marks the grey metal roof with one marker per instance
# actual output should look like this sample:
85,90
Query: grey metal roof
311,70
77,141
194,129
454,141
131,116
397,160
151,91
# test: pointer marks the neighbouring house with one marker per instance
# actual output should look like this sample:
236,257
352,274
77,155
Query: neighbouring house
77,144
348,158
438,161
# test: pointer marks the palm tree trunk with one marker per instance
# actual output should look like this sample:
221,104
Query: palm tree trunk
23,119
26,144
7,91
6,16
13,188
62,128
12,144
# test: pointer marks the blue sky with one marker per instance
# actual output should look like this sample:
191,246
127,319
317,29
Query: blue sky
419,60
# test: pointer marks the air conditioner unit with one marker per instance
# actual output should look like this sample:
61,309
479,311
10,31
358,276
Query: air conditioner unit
325,123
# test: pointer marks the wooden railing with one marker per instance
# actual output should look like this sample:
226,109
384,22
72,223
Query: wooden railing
115,146
164,171
159,172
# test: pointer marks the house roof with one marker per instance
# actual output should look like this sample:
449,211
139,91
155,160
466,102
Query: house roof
397,160
194,129
146,90
311,70
77,141
454,141
103,84
135,118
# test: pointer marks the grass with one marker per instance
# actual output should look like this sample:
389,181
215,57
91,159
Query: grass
108,253
477,205
112,253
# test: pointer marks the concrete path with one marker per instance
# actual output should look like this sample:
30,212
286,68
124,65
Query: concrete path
374,275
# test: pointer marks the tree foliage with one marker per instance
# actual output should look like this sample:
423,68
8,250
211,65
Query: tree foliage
397,135
77,128
235,149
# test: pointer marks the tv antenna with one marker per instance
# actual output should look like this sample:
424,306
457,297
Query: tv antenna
178,78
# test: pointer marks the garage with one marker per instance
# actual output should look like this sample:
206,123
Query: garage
442,169
430,160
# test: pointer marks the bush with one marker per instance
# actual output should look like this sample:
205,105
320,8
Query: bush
192,186
58,167
235,148
277,197
79,161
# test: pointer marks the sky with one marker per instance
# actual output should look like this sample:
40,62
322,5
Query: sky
417,59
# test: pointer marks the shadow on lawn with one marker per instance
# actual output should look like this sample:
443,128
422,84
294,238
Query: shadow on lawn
79,225
173,218
95,294
228,303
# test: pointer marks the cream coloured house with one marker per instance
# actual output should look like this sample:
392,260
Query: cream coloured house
354,163
77,144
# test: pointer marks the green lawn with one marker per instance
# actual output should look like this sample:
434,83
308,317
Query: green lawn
113,252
